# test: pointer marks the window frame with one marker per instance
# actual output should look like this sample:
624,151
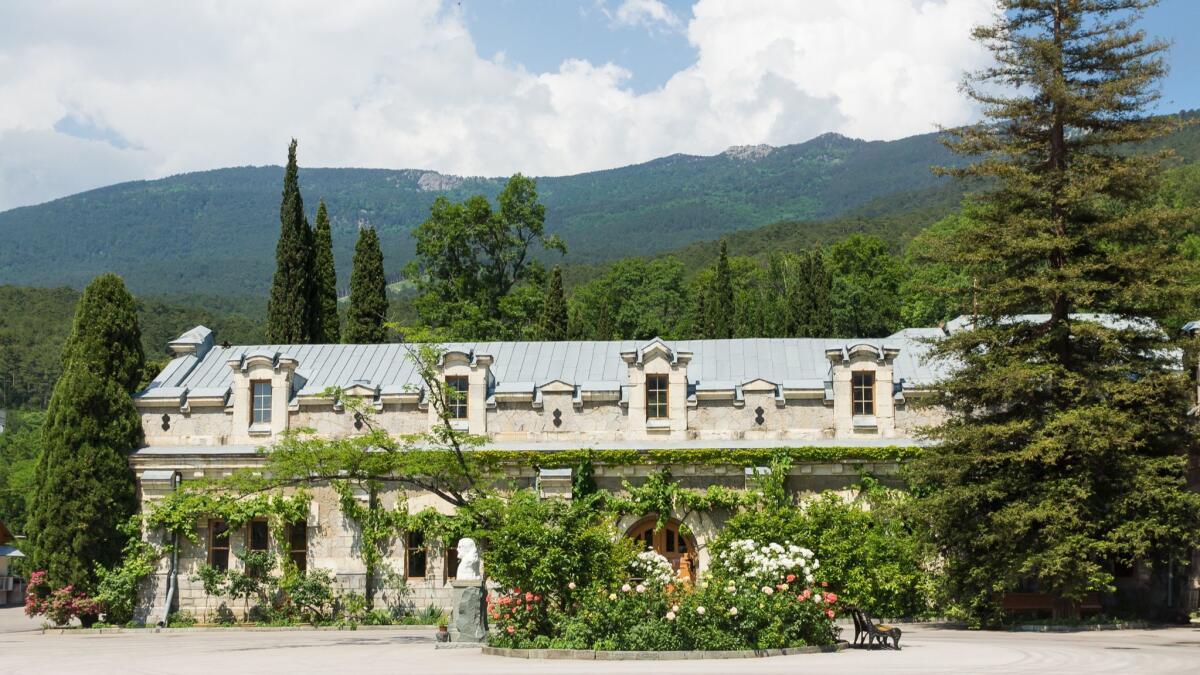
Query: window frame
254,398
457,404
212,544
658,398
862,382
293,552
266,529
410,551
450,561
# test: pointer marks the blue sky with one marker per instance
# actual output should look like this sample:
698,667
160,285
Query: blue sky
99,93
541,34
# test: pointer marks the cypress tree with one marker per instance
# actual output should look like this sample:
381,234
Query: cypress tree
554,310
290,306
368,292
814,308
325,329
720,307
1064,450
84,488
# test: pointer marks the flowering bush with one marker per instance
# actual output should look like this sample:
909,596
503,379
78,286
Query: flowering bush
747,558
517,616
761,599
59,605
653,568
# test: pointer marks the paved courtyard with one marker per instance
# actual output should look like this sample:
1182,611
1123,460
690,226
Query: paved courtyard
926,650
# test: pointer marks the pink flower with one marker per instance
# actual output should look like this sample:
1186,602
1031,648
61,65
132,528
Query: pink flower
782,587
824,584
806,594
831,597
511,630
791,578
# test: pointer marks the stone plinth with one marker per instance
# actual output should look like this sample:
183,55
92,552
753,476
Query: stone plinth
469,622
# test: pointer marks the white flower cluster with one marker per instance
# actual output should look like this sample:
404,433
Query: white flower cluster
769,561
653,568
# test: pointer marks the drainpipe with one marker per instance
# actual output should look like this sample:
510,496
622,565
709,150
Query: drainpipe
173,573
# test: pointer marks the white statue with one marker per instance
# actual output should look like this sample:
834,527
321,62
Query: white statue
468,559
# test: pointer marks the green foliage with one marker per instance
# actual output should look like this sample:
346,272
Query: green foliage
716,320
291,308
555,548
635,299
20,447
554,309
368,292
470,258
934,291
117,587
1065,446
866,287
325,328
84,490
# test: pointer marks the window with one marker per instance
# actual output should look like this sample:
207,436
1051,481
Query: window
298,544
456,395
656,397
259,534
863,385
451,561
416,558
261,404
218,544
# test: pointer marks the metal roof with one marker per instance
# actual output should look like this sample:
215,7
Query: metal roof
516,366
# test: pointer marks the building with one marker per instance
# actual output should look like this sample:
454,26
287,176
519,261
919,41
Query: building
12,588
212,407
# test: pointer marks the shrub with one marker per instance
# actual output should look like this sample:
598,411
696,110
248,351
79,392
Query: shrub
309,595
60,605
181,620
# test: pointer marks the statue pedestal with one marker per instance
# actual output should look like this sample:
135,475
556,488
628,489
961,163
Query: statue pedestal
469,620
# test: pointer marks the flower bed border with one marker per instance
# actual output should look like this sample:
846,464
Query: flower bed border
113,630
601,655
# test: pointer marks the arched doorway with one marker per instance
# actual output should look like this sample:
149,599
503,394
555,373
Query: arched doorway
677,547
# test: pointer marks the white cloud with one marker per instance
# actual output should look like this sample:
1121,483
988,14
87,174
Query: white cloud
99,93
645,13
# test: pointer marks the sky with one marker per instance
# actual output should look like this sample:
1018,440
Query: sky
98,93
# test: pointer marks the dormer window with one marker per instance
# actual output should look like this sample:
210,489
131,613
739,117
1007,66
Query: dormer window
863,389
456,395
656,397
260,410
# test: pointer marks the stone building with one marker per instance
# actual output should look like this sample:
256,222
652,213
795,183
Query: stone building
212,407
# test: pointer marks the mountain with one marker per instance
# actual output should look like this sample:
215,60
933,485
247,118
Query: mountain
213,232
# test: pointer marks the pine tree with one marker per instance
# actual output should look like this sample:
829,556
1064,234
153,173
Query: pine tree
720,307
368,292
84,489
554,310
325,328
290,307
1064,448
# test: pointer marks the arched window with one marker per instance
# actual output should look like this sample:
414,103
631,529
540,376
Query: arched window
677,547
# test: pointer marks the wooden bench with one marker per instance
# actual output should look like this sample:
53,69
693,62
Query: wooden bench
872,634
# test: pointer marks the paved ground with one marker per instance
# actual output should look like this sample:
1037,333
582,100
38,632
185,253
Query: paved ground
926,650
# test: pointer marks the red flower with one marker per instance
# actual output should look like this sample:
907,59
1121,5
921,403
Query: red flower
791,578
529,597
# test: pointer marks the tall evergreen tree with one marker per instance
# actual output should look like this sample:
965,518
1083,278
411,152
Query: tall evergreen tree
290,308
1064,449
368,292
84,489
554,310
719,307
325,328
814,305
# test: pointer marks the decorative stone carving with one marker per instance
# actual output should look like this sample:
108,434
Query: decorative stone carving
468,559
557,418
758,415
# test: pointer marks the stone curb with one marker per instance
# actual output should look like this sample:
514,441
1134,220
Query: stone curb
1131,625
232,629
600,655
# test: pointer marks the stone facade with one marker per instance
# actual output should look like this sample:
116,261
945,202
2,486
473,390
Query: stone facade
202,419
